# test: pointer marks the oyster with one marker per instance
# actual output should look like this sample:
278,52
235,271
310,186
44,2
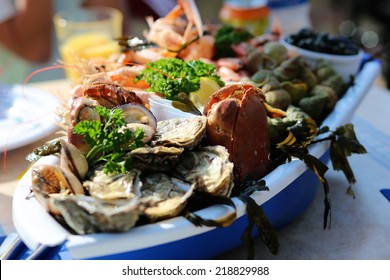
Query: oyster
180,132
209,168
163,196
86,214
159,158
113,186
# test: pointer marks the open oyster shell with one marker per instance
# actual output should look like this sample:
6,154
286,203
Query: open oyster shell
86,214
113,186
164,196
209,169
156,159
180,132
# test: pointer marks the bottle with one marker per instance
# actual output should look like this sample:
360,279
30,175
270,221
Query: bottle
292,15
252,15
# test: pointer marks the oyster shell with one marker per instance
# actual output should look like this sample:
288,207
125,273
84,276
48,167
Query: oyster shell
180,132
86,214
159,158
113,186
163,196
209,168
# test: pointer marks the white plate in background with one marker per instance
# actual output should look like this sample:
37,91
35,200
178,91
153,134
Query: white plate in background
26,115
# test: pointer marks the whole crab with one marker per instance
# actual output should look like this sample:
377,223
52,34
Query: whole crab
237,120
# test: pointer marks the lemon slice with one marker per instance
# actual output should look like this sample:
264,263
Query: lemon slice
207,88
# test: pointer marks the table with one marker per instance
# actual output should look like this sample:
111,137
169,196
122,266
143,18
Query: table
360,226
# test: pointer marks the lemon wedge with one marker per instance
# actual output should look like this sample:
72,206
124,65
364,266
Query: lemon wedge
207,88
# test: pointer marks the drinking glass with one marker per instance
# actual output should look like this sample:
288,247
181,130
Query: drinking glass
86,33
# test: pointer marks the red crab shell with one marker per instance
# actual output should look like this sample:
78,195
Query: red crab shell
237,120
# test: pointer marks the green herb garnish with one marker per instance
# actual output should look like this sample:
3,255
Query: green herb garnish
110,140
171,76
227,36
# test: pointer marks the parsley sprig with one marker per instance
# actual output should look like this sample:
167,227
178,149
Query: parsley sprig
172,76
110,140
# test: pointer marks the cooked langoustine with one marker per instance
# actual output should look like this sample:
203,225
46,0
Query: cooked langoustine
181,37
173,32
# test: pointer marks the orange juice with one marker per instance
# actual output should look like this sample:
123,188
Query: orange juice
86,46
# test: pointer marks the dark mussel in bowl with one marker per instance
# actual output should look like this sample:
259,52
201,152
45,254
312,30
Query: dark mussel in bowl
322,42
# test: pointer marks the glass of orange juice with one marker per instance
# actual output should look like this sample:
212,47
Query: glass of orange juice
86,33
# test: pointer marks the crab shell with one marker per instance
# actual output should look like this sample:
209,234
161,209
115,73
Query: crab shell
237,120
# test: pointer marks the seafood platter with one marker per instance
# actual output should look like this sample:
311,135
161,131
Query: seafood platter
188,144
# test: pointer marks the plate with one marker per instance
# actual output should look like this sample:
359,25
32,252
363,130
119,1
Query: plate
26,115
292,188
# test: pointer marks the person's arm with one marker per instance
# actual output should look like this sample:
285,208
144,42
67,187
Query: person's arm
28,33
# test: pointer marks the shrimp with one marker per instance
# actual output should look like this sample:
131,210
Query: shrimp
201,48
125,76
173,32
